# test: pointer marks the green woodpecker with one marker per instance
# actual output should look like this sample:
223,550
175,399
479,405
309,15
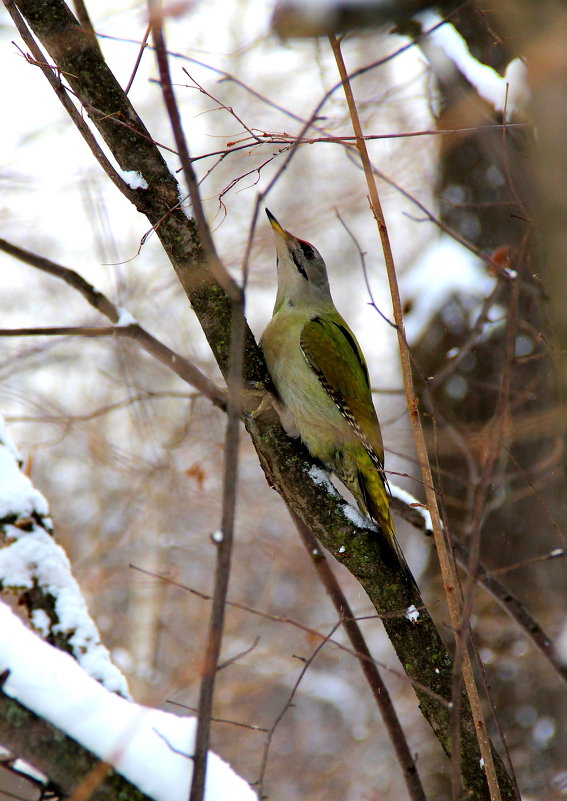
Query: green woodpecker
322,381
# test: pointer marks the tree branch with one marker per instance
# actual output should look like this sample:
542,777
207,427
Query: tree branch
369,668
181,366
68,765
464,751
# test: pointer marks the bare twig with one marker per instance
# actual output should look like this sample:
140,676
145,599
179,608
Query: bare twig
101,411
371,672
238,723
217,268
513,607
40,61
234,410
224,554
487,579
427,691
264,138
83,16
445,559
288,702
474,527
181,366
143,46
552,521
63,330
223,106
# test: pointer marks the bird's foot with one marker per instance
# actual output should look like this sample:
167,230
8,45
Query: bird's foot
257,399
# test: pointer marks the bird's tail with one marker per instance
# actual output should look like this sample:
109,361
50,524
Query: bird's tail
374,497
361,474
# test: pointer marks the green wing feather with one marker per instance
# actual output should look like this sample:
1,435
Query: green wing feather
334,355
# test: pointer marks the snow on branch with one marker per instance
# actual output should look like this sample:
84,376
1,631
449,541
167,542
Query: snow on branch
506,93
150,748
37,570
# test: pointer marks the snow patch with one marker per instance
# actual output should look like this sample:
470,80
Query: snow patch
134,179
407,498
148,747
508,92
33,558
321,478
18,496
446,269
355,516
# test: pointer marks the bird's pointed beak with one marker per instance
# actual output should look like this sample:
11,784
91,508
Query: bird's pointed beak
282,236
275,224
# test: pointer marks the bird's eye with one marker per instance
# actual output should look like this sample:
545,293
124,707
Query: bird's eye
308,251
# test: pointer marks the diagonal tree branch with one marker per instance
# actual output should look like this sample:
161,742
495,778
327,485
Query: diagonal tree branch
286,463
68,765
369,668
184,368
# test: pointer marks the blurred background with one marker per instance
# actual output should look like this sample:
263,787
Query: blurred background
130,458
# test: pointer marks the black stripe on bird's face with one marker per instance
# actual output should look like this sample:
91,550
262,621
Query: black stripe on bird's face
298,264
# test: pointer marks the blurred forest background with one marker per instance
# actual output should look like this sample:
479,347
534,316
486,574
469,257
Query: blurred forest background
129,457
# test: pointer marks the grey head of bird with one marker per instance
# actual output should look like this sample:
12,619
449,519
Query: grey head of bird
302,274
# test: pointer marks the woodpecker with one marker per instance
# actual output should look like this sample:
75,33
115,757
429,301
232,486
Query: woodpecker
322,381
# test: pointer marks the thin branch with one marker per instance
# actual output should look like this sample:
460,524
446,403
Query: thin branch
287,704
306,126
474,526
64,330
238,723
227,76
486,579
84,18
40,61
100,411
474,770
234,410
472,338
371,673
143,46
222,105
552,521
427,691
217,268
224,554
513,607
181,366
264,138
184,369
